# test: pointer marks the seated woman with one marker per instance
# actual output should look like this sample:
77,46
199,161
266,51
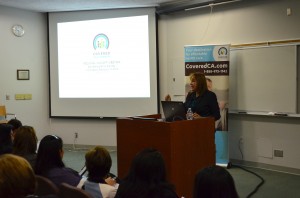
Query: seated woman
25,144
146,178
98,163
6,143
17,177
49,163
214,182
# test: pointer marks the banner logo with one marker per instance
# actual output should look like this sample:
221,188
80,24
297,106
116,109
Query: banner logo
223,51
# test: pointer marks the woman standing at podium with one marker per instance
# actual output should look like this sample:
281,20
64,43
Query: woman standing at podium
202,101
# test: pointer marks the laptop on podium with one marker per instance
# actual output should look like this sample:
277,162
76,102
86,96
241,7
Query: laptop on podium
173,110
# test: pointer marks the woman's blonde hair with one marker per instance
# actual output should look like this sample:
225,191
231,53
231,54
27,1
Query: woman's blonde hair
98,162
17,178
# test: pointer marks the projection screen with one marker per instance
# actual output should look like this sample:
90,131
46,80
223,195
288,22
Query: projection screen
103,63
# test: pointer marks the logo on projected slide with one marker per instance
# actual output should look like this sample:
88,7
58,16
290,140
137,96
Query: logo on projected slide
101,41
222,51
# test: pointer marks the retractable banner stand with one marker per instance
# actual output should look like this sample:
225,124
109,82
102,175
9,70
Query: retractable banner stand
213,62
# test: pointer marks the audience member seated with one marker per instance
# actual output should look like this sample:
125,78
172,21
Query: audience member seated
25,144
98,163
49,163
214,182
146,177
17,178
6,144
15,123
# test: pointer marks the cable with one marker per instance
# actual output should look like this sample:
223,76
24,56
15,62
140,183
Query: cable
75,149
262,179
211,4
208,23
240,149
74,143
258,186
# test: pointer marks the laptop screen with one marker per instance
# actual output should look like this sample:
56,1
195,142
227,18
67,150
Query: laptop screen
173,110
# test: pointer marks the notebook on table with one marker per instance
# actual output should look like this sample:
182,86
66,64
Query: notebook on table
173,110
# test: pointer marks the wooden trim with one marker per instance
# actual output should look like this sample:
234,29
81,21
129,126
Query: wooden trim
267,43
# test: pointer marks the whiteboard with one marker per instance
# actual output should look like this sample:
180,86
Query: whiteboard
263,79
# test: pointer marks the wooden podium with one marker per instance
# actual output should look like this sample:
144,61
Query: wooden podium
187,146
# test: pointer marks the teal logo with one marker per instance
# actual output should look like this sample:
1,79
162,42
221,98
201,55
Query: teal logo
222,51
101,41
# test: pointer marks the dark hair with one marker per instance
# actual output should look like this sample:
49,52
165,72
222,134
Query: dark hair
146,177
148,166
214,182
201,82
5,138
48,155
98,163
15,123
25,141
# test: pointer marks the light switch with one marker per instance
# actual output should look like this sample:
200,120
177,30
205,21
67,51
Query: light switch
23,96
19,96
28,96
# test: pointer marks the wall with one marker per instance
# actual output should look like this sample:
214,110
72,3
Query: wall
27,52
31,52
236,23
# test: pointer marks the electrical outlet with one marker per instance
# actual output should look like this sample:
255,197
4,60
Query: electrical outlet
76,135
278,153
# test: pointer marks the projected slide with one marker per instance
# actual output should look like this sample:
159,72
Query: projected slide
102,63
104,58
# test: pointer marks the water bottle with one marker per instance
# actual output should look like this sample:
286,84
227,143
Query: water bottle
189,114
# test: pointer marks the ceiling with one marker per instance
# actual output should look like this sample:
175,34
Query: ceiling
77,5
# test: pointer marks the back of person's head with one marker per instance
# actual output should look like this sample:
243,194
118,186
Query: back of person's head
148,166
98,163
17,179
214,182
15,123
49,154
25,141
146,177
5,138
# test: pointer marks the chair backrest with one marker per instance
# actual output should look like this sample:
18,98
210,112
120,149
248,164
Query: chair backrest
68,191
3,112
45,187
